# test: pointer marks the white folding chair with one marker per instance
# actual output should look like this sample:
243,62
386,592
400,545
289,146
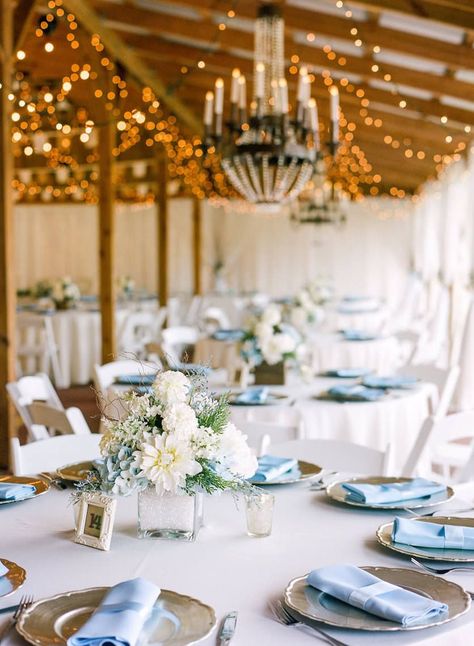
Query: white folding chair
53,453
138,329
29,389
336,455
214,318
445,380
36,346
176,340
105,375
444,447
63,421
262,434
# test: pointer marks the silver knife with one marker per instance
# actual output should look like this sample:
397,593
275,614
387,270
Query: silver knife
9,609
227,629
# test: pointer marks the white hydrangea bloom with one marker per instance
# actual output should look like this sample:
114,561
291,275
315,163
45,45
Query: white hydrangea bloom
234,456
263,330
172,387
278,345
299,317
271,315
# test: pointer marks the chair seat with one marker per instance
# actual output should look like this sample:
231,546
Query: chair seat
452,454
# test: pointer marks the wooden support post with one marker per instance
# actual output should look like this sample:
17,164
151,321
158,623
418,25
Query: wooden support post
107,242
7,241
197,247
162,228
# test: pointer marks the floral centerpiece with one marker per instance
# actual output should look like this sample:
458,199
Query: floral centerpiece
304,310
126,286
65,293
42,289
269,339
171,445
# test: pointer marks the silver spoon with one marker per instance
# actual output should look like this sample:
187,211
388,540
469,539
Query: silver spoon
436,570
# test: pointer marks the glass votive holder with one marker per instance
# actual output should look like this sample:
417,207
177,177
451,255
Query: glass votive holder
259,512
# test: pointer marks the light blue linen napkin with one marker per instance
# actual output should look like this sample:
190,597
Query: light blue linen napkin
3,569
426,534
120,617
135,380
15,491
271,467
355,393
358,335
392,491
395,381
347,373
228,335
253,396
363,590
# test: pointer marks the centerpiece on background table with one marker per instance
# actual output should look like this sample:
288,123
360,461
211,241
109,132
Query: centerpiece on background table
126,286
304,311
65,294
268,343
172,445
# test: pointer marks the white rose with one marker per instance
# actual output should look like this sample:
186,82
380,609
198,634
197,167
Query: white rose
271,315
171,387
234,456
263,330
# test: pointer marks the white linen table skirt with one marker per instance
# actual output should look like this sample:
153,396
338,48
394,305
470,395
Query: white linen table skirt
223,568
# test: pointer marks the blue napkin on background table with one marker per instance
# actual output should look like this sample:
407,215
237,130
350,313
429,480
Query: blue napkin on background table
228,335
135,380
347,373
271,467
392,492
120,617
363,590
250,396
358,335
355,392
426,534
15,491
395,381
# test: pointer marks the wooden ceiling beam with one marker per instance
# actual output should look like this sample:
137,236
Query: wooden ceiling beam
22,18
137,70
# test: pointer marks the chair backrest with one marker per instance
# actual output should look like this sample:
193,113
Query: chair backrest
69,421
53,453
105,375
336,455
444,379
176,339
138,329
214,318
263,434
30,389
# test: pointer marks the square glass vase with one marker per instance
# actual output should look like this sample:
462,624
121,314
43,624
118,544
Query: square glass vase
169,516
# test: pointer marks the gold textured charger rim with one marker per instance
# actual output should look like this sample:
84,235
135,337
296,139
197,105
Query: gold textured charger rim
432,501
308,471
40,485
16,575
440,587
54,639
384,537
72,472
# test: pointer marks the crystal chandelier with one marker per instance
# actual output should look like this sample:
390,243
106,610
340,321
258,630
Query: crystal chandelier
324,203
267,154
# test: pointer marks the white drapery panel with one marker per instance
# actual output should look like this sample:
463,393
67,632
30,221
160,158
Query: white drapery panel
370,254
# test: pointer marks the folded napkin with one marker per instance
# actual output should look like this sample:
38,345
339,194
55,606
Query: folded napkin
15,491
271,467
3,569
120,617
358,335
355,393
228,335
253,396
136,380
396,381
347,373
393,491
426,534
363,590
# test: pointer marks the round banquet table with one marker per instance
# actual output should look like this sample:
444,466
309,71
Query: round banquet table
331,351
395,419
368,321
223,568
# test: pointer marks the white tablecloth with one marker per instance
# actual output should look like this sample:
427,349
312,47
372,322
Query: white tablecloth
330,351
395,419
223,568
371,321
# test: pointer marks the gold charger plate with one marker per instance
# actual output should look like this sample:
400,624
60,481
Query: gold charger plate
336,492
309,604
13,579
384,537
50,622
75,472
40,486
307,471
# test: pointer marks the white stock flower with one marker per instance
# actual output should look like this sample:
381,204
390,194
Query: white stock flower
234,456
271,315
165,460
171,387
180,419
263,330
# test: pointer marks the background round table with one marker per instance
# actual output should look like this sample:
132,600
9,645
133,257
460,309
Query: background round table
331,351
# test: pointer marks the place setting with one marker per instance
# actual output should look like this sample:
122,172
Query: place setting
15,489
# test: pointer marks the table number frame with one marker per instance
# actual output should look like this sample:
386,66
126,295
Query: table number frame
95,520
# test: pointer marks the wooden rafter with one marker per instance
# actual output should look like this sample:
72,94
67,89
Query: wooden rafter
24,12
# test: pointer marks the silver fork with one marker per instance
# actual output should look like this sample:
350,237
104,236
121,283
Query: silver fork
436,570
447,512
25,602
283,616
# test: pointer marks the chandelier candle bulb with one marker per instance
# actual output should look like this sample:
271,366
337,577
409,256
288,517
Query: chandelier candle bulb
334,110
301,92
208,109
219,94
234,88
242,92
259,81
